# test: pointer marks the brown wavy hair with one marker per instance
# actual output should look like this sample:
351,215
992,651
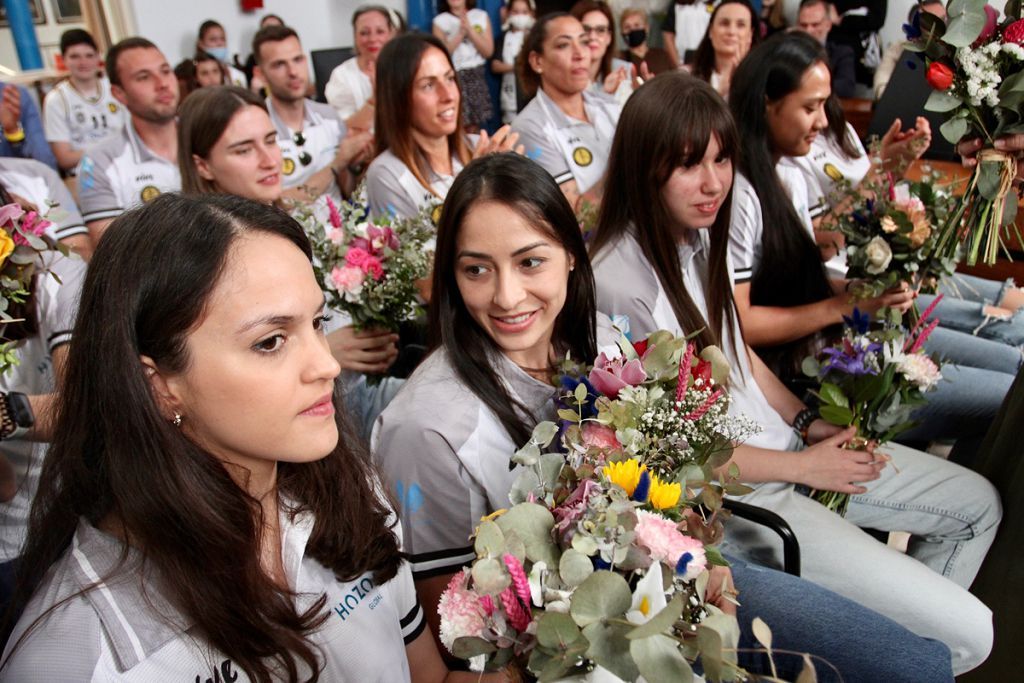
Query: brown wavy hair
115,461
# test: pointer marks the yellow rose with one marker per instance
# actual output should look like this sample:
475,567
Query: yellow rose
6,246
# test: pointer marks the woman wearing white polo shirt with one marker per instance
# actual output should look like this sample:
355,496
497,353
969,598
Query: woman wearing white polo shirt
421,142
661,260
565,128
203,512
350,88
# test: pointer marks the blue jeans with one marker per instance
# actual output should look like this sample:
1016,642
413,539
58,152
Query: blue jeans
952,514
962,309
862,645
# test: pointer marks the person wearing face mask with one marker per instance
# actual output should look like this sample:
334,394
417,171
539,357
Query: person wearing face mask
520,19
634,26
213,41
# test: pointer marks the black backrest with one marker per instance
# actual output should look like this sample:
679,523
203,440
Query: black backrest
324,62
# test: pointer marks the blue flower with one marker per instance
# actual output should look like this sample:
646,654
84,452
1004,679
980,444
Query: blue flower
684,560
643,488
859,322
913,30
568,386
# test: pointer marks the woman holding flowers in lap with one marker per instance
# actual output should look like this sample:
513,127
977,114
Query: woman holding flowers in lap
507,305
787,302
202,512
227,145
661,261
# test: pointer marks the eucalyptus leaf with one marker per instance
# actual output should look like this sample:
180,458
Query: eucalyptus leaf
533,524
551,465
990,176
762,633
965,20
719,364
35,242
1011,91
810,366
574,567
1010,209
490,577
584,544
807,673
660,622
609,648
545,431
527,455
490,542
942,101
709,642
569,415
556,630
580,393
954,130
467,647
659,660
602,595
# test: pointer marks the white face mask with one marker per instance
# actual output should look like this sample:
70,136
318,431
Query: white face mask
521,22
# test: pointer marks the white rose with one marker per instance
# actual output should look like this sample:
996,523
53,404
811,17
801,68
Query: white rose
879,255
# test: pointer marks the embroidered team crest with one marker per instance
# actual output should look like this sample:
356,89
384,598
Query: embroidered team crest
478,28
435,214
832,172
149,193
582,156
288,166
112,107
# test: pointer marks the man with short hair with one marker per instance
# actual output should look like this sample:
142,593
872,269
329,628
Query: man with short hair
815,18
80,111
319,156
142,161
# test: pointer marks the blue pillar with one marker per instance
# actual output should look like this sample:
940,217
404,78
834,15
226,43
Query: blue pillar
24,31
421,14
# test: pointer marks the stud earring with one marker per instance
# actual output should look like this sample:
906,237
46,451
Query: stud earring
177,420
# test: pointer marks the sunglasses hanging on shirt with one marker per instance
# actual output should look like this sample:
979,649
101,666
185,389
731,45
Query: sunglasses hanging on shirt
305,158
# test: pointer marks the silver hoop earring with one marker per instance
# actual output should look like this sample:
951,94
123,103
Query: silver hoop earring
177,420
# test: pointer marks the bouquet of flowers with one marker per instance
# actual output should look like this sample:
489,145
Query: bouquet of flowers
369,268
976,68
21,240
873,379
892,237
597,570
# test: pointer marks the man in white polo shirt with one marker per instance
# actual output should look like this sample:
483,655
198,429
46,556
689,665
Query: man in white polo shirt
318,156
142,161
80,112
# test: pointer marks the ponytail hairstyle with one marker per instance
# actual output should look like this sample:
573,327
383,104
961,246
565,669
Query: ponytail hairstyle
666,124
791,272
397,64
117,462
528,189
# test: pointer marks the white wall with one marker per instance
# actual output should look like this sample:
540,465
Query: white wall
47,34
172,25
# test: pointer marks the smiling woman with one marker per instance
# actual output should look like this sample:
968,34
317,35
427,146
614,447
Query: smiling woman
219,489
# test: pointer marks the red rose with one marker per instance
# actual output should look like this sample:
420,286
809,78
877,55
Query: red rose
640,347
939,76
1014,33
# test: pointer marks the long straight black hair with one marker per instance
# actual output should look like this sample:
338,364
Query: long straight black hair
115,459
791,272
703,62
529,190
668,123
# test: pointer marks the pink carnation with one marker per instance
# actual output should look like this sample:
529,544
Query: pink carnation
611,375
33,225
365,261
667,544
460,610
348,279
596,435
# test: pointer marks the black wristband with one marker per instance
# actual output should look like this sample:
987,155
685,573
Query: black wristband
802,422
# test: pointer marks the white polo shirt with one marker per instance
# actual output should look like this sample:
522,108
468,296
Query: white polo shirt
70,116
322,132
124,630
567,148
122,173
628,286
393,190
40,184
56,304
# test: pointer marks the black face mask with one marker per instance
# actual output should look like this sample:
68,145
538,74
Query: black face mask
635,38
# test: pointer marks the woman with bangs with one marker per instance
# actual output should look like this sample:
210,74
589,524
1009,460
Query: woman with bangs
421,141
661,262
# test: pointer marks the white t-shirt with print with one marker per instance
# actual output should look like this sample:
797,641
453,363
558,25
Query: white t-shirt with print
465,55
70,116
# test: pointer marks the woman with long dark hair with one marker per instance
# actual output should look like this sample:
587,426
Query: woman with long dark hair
786,300
507,304
421,141
226,144
733,30
660,262
566,128
203,511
